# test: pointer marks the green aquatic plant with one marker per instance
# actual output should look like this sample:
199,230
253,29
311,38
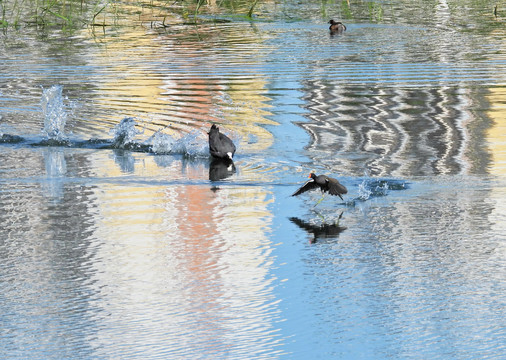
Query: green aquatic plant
375,11
346,9
67,14
230,5
75,14
199,4
95,14
250,12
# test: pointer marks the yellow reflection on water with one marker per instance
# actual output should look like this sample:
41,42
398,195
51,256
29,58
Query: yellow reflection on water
172,81
181,266
496,139
496,136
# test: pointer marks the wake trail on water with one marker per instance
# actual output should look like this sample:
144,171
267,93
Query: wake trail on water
124,135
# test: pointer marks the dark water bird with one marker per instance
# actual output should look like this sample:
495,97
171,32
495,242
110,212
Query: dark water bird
325,183
220,145
220,169
336,27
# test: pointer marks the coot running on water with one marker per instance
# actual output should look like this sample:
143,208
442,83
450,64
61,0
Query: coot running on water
325,183
220,145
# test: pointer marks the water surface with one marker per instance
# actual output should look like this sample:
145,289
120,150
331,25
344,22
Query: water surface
120,238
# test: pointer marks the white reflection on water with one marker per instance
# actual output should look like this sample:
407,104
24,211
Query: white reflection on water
56,170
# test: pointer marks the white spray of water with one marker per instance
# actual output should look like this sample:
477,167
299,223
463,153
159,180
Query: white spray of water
125,133
161,143
373,188
55,114
193,144
363,190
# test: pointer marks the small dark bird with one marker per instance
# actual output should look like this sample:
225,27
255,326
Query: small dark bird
336,27
325,183
220,145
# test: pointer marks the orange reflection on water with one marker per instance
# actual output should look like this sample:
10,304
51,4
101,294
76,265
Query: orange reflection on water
223,256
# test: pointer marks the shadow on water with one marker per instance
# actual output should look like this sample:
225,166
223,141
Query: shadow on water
324,230
11,139
220,169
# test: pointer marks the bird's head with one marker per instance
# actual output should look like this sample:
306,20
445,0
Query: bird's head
312,175
213,129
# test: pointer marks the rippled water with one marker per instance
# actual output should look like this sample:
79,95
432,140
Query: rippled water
120,238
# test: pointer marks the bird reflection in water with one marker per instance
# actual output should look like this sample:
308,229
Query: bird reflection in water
220,169
321,231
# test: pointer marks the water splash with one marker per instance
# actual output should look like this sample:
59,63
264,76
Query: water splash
161,143
55,113
125,133
364,192
192,144
370,188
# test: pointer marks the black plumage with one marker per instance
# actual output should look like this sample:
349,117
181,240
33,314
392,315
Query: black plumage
220,145
325,183
336,27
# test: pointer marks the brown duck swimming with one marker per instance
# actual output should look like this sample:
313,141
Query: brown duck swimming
336,27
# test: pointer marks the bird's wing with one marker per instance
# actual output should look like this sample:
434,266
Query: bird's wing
336,188
212,146
309,185
225,140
